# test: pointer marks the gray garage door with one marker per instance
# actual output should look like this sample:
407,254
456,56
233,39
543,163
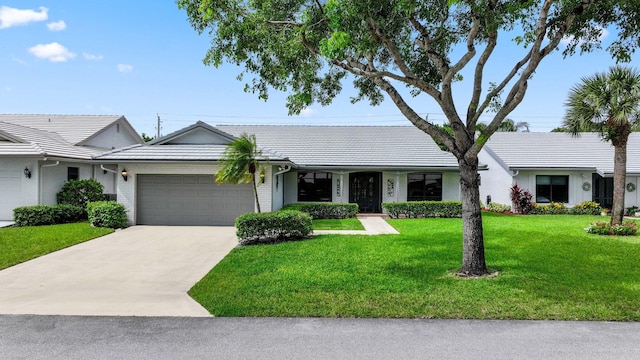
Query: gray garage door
190,200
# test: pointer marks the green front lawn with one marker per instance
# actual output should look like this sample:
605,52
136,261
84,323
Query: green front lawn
19,244
549,269
337,224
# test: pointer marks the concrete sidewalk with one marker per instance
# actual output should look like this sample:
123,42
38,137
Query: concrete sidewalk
373,225
138,271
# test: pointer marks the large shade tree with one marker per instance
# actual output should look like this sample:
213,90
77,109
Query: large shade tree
609,103
409,48
240,163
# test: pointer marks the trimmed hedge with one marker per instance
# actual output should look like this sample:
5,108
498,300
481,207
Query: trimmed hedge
325,210
554,208
80,192
586,208
47,214
107,214
273,227
499,208
415,209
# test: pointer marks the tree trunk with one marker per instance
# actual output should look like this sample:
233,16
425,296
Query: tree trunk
619,179
255,191
473,262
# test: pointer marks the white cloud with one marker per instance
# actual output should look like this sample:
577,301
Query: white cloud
54,52
57,26
567,39
13,17
93,57
124,68
307,112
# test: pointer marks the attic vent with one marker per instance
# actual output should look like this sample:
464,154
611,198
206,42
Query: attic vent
117,128
49,119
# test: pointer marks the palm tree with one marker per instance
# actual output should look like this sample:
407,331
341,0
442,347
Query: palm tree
608,103
239,163
508,125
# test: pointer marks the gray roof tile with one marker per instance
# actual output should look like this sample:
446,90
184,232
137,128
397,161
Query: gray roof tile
73,128
357,146
39,142
173,153
561,151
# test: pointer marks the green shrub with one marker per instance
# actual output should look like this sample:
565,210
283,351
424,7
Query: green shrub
65,213
631,210
586,208
415,209
554,208
107,214
325,210
499,208
627,228
80,192
47,215
273,227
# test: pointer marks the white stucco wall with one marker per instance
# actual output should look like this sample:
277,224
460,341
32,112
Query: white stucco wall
53,177
527,180
277,194
127,189
632,198
494,182
116,136
106,178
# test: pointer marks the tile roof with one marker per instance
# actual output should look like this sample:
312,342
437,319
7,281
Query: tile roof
173,153
520,150
73,128
358,146
34,142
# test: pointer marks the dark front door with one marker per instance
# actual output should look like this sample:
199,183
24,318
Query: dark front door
365,190
603,191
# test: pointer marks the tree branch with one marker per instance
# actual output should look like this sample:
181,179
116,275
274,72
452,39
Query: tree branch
532,60
472,110
409,76
415,119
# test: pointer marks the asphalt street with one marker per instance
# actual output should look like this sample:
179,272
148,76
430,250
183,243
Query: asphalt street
85,337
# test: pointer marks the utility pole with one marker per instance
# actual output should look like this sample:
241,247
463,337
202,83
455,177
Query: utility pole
158,127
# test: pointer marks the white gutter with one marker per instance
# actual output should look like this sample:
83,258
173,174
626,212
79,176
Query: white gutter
109,170
281,171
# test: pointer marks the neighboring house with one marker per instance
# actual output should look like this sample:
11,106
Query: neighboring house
556,167
171,180
38,153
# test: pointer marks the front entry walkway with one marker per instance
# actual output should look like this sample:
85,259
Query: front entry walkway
373,225
138,271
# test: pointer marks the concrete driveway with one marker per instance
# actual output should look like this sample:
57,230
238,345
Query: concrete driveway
138,271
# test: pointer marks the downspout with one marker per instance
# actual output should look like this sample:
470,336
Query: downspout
281,170
341,187
397,189
108,170
115,180
44,166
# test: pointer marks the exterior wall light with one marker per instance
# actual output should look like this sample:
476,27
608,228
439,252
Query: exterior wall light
125,174
27,172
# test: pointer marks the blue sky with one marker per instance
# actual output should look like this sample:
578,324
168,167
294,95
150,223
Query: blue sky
136,59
